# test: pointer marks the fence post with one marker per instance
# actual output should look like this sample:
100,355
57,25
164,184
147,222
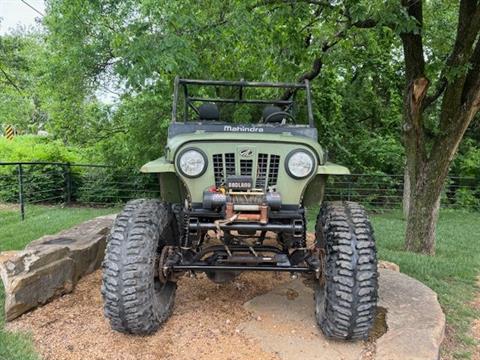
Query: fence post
21,199
68,183
349,193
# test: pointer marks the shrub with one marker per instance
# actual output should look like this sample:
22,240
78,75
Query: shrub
41,182
466,198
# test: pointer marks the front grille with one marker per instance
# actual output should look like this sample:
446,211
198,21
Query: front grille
266,171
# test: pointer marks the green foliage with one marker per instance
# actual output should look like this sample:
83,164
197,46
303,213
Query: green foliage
467,198
37,148
20,103
92,49
40,181
468,160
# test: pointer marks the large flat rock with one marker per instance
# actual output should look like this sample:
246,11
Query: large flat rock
52,265
415,320
284,323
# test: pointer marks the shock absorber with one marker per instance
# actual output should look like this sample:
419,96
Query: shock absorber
185,242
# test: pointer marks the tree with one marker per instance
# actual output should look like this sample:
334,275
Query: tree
20,103
429,155
432,135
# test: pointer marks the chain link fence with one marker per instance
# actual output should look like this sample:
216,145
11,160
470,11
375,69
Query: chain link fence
50,183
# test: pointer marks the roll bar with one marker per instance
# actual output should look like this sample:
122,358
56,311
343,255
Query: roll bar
240,84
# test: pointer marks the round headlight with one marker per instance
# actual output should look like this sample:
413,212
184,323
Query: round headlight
299,164
192,162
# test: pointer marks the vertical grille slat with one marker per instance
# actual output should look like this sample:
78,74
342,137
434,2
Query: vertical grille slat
229,164
273,170
266,170
246,167
262,171
223,166
218,169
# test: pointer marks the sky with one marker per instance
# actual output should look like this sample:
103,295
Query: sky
16,12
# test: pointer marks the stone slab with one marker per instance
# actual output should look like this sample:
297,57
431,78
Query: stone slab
284,323
415,320
52,265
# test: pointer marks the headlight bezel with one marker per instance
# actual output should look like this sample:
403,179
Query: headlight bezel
294,152
182,153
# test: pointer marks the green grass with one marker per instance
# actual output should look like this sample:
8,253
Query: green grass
14,235
451,273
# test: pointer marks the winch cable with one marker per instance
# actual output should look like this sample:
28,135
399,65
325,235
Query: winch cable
218,223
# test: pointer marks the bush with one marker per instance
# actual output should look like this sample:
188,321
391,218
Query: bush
466,198
41,182
36,148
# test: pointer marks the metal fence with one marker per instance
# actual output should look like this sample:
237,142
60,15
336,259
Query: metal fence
386,191
48,183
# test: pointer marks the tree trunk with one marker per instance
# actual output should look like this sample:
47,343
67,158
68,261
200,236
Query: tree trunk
427,178
422,215
406,192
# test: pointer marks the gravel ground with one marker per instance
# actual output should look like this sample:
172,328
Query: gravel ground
204,325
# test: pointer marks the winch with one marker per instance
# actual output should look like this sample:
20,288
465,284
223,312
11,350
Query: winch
238,196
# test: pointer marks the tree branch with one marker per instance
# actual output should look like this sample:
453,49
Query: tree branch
473,77
460,91
440,89
317,63
290,2
467,31
10,80
416,88
412,43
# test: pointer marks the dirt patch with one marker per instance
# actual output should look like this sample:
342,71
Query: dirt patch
204,325
9,207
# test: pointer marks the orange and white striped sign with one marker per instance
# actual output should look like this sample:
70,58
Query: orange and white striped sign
9,132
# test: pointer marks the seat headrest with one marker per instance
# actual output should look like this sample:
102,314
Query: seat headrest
271,110
208,111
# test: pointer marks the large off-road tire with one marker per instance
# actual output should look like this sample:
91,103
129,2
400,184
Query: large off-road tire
346,299
135,301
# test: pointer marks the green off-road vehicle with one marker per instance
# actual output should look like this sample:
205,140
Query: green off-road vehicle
241,167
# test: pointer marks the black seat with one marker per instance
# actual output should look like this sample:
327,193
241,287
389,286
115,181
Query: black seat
269,110
208,111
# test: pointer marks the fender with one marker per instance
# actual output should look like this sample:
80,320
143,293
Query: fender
172,188
315,190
